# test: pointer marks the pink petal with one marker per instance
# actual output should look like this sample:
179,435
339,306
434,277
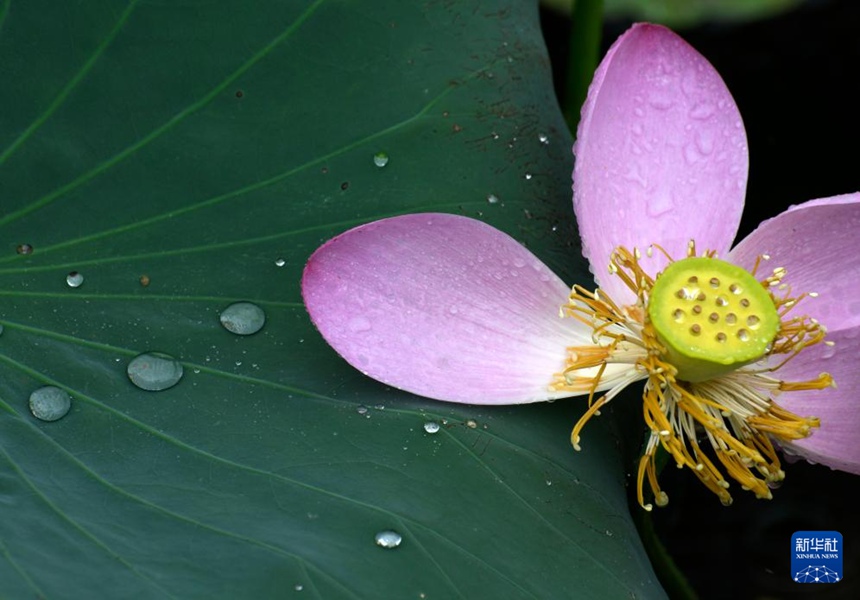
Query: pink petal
442,306
661,154
815,242
836,443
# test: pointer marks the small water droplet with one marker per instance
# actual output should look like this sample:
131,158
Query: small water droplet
74,279
144,280
431,427
493,199
50,403
362,410
543,139
280,262
388,539
528,176
154,371
359,324
298,587
243,318
24,249
471,424
549,482
380,159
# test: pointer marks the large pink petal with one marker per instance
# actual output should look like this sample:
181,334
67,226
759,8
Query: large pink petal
442,306
816,243
837,442
661,153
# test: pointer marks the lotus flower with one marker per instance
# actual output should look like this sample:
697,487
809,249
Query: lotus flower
450,308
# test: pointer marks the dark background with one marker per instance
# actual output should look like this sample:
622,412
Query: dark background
794,77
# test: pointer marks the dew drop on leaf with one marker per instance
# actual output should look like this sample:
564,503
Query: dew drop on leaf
243,318
380,159
74,279
24,249
431,427
50,403
154,371
388,539
280,262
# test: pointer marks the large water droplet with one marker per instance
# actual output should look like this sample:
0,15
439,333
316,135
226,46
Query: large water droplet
380,159
243,318
154,371
74,279
50,403
431,427
388,539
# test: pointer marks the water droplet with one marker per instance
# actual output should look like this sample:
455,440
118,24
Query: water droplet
74,279
144,280
431,427
362,410
528,176
702,111
298,587
154,371
280,262
388,539
660,204
24,249
493,199
359,324
471,424
243,318
380,159
50,403
543,139
549,482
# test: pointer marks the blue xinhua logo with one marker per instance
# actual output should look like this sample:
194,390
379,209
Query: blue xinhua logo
816,557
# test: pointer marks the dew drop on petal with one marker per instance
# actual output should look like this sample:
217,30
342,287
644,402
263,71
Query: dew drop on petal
359,324
154,371
50,403
380,159
74,279
388,539
243,318
431,427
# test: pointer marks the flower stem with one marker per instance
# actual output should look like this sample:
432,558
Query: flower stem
583,49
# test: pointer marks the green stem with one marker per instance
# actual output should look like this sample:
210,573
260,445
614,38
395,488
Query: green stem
583,49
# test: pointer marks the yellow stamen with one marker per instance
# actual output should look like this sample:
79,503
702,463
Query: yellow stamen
732,408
